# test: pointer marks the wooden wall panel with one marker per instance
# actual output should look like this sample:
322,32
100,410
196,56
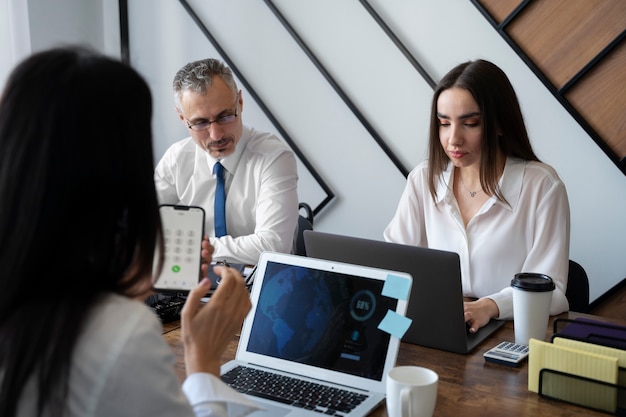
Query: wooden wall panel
600,97
500,9
561,37
578,49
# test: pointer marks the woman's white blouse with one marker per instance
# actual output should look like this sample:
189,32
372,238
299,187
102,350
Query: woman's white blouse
529,234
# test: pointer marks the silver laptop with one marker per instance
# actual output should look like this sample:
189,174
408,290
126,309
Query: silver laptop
436,302
318,326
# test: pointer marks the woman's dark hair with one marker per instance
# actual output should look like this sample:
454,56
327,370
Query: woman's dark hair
78,210
504,131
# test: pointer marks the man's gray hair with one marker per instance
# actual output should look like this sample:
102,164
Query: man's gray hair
196,76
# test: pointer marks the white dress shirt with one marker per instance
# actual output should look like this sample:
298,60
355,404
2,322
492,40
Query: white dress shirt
261,193
531,234
123,367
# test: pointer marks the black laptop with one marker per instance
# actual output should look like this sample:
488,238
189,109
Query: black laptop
436,301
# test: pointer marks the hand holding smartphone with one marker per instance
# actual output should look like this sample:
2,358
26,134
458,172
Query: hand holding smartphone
183,229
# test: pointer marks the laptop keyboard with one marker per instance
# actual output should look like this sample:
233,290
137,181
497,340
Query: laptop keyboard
293,391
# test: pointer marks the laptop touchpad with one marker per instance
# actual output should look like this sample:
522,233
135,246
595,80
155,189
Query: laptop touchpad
270,410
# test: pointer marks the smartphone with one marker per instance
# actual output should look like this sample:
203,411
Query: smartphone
183,229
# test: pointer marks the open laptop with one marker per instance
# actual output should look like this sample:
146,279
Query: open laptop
436,301
316,322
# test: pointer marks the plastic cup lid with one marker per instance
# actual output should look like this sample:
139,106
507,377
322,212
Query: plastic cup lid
532,281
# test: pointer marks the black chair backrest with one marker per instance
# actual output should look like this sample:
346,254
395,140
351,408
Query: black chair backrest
305,222
577,291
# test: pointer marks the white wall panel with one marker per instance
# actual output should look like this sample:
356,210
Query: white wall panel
375,76
387,90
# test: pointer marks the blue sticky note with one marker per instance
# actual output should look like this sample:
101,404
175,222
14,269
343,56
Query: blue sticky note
395,324
396,287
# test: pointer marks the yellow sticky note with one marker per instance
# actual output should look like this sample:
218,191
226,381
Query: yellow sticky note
571,361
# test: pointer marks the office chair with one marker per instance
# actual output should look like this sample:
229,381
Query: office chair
577,291
305,222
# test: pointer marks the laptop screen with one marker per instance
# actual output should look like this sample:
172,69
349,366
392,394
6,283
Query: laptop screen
326,319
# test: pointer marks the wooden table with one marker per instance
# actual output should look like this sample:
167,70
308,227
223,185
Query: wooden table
468,386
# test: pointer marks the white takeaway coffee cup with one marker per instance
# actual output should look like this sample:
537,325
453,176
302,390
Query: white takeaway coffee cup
532,296
411,391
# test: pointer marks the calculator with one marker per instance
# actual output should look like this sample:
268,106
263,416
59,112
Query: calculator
507,353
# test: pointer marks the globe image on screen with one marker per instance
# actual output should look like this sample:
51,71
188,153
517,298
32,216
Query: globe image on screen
298,321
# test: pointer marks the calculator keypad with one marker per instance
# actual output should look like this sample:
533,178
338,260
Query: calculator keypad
507,353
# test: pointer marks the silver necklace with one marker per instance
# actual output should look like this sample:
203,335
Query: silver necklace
471,193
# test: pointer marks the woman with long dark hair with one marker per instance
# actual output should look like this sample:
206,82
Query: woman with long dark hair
79,225
484,194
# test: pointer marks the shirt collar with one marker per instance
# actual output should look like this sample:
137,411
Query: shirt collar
510,183
231,161
443,191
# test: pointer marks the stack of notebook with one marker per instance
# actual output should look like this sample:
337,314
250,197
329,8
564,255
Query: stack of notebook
585,364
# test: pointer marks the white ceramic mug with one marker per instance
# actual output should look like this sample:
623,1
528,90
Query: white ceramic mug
411,391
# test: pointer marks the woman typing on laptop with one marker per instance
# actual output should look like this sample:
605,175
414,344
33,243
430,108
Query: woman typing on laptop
484,194
79,225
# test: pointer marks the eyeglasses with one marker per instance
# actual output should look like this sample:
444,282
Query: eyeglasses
224,120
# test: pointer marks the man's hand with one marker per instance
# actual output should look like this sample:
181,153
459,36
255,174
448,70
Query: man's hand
207,256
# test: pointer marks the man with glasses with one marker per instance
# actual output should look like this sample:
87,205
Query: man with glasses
255,171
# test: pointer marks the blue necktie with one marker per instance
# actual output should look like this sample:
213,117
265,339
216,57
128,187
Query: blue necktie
219,209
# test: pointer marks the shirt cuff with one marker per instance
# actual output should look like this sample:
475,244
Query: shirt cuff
504,301
206,391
